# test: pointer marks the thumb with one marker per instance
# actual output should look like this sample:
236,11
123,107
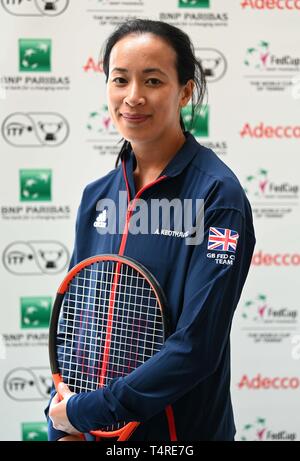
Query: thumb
64,390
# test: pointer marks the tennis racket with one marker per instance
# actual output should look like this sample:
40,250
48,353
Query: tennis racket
108,318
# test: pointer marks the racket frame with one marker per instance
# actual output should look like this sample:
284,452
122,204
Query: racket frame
125,432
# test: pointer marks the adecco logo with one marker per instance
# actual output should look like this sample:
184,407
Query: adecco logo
271,4
93,65
277,259
263,131
259,382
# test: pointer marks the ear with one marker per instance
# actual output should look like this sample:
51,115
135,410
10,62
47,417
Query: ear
187,93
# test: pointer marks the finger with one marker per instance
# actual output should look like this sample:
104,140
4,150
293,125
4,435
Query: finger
63,389
55,399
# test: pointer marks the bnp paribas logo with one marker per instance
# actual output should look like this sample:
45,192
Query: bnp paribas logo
35,311
35,185
34,55
34,432
257,57
194,3
199,127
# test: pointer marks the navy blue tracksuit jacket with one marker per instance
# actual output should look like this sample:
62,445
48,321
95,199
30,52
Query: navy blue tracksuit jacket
202,284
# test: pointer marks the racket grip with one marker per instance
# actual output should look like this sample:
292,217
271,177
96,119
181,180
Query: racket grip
56,380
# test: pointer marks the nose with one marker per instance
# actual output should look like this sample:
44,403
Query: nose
134,95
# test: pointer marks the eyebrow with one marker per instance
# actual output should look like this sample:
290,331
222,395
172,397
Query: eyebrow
145,71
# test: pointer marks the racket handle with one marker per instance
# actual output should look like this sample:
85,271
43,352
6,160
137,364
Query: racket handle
56,380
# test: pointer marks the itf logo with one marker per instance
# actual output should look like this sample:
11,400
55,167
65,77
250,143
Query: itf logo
35,257
34,55
213,63
35,312
28,384
35,7
35,129
35,185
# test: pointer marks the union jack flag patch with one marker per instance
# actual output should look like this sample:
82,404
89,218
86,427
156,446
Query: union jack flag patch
222,239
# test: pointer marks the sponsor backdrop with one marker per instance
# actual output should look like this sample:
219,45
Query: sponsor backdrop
56,136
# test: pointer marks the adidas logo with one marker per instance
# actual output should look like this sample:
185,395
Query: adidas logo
101,220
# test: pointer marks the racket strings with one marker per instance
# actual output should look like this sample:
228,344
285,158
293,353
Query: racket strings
110,323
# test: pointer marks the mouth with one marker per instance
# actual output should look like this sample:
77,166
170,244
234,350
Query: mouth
135,117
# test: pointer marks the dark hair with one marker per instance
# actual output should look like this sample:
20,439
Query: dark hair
188,67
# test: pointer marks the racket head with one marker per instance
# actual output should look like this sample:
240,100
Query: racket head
109,317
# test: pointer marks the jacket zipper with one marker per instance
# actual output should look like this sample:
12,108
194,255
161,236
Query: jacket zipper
169,410
131,206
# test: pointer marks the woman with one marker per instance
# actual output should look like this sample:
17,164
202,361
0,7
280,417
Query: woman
151,74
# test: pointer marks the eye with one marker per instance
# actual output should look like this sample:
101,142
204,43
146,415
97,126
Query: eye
119,78
155,80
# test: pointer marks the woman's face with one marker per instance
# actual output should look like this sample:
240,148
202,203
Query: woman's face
143,93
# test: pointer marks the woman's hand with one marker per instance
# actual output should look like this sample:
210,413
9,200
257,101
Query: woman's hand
58,410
